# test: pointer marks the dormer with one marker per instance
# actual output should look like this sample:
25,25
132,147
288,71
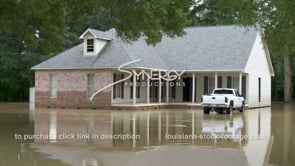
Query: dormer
94,41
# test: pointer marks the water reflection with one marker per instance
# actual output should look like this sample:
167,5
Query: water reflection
282,127
153,147
165,137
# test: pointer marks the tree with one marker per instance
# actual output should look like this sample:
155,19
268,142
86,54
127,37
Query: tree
276,17
33,30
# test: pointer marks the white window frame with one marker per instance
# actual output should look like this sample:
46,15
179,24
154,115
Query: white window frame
90,46
53,85
90,84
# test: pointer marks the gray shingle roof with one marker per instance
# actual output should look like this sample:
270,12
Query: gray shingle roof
202,48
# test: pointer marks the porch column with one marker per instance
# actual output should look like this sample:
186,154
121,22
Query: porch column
167,91
216,78
193,88
148,90
240,83
160,88
134,89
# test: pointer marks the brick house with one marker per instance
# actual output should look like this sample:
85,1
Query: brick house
204,59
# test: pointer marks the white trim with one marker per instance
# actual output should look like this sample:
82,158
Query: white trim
134,90
148,91
240,83
167,91
265,47
93,34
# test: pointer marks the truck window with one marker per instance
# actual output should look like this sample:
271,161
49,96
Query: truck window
223,91
236,93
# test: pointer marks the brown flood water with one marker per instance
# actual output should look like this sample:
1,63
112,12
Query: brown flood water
45,137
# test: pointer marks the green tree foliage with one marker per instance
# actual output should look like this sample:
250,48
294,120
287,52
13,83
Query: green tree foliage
33,30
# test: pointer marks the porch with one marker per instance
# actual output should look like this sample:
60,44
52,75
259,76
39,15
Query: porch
185,90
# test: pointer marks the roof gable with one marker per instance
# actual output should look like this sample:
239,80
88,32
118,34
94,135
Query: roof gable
96,34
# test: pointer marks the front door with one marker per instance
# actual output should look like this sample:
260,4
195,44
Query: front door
187,89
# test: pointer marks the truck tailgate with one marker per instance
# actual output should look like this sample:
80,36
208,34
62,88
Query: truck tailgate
214,99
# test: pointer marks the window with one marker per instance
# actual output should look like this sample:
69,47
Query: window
163,88
90,45
209,84
244,86
219,82
90,84
233,82
223,91
229,82
173,89
236,81
154,89
206,85
118,89
138,88
53,85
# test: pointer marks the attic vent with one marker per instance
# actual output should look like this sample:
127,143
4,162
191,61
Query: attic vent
90,45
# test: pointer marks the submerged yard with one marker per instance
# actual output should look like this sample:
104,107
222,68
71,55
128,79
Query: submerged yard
156,137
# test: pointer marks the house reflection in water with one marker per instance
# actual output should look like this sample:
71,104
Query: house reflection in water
165,137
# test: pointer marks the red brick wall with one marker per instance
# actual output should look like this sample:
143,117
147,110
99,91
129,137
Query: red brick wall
72,89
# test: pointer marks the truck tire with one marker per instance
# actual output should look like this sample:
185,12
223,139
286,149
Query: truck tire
206,110
230,108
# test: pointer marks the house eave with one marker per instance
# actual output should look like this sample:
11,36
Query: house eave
143,68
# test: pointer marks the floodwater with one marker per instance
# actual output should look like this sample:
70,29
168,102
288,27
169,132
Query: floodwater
45,137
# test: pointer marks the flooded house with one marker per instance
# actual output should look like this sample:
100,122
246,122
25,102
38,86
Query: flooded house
106,72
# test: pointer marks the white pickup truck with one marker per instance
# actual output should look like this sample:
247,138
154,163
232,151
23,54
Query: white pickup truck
223,99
